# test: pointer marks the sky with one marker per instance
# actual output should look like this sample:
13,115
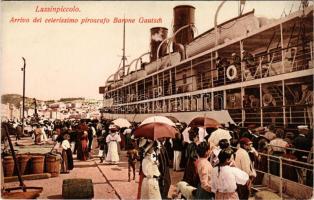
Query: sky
73,60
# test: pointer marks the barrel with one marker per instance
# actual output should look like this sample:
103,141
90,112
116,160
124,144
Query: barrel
52,164
8,166
22,162
37,164
77,189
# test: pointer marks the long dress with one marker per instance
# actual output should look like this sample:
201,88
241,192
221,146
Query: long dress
112,141
66,157
190,173
150,186
82,151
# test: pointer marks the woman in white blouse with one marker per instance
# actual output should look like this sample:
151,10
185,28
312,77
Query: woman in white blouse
224,178
67,159
150,185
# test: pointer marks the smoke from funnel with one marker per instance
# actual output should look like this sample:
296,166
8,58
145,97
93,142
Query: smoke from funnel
158,34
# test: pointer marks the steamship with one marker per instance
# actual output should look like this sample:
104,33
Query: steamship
247,70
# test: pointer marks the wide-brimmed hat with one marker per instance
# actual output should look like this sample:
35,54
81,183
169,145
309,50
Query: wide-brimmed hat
113,127
149,146
260,130
303,127
142,142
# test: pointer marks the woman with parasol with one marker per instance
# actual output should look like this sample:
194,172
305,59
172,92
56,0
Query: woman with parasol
158,128
150,186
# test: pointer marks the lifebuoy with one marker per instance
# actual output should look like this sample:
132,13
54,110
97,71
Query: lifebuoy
267,99
159,91
232,72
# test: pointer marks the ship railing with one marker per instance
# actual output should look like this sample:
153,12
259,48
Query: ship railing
266,64
280,167
272,63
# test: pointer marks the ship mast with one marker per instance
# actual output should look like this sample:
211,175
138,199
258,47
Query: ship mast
123,56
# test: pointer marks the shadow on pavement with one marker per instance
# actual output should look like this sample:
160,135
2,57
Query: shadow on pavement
116,169
83,166
55,197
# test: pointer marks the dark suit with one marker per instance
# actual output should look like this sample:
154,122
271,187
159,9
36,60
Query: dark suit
303,143
165,180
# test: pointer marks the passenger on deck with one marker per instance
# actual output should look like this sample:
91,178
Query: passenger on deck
277,148
221,65
249,65
307,99
270,135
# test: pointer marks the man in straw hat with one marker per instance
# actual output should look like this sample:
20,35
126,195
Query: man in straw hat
243,162
307,99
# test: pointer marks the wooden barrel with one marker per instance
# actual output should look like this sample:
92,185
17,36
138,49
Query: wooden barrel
22,162
77,189
8,166
38,164
52,164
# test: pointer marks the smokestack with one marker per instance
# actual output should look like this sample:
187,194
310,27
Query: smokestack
183,15
158,34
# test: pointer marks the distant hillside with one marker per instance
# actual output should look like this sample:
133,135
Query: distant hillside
15,99
71,99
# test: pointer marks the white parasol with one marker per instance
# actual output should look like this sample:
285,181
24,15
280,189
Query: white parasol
121,123
159,119
219,134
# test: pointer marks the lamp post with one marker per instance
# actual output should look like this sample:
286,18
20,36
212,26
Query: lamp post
23,108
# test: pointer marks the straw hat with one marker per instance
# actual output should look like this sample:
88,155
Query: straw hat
149,146
113,127
142,142
303,127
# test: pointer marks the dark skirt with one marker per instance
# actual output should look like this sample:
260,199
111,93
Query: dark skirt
64,164
190,176
203,194
70,159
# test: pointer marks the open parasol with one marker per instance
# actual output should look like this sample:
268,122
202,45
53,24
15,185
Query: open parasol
218,135
155,130
204,122
159,119
121,122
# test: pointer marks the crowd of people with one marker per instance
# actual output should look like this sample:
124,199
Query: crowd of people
224,169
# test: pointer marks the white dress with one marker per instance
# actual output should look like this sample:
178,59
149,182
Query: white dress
112,140
150,186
